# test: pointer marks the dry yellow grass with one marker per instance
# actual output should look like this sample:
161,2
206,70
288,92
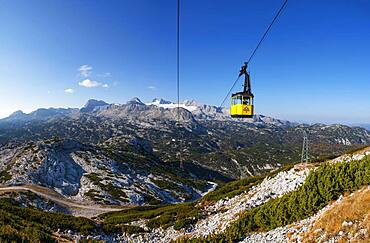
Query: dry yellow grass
353,208
302,166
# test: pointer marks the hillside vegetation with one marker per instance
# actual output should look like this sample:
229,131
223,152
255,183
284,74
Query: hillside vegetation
351,217
179,215
323,185
31,225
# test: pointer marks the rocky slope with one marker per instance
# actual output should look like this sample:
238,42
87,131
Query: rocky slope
218,216
223,212
347,219
327,225
87,173
31,200
215,214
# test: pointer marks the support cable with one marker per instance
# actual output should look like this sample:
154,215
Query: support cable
178,79
178,60
256,48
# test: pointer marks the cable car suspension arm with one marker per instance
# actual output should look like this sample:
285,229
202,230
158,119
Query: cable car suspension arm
244,67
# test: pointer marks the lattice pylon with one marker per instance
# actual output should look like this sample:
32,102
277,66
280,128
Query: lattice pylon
305,149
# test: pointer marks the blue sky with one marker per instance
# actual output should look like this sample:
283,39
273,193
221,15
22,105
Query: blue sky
314,65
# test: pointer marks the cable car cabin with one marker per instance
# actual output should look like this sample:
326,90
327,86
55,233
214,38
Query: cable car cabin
242,102
242,105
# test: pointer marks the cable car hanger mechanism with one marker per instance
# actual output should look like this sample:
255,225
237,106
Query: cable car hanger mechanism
242,102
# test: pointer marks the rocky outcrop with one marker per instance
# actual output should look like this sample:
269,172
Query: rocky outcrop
87,173
220,215
59,170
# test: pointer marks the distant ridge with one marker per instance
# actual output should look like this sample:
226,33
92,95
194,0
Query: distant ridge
92,104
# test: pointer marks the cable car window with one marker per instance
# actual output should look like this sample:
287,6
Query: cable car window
236,100
239,100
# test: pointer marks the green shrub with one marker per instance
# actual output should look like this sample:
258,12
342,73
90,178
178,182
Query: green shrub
132,229
182,223
31,225
4,176
114,191
158,216
323,185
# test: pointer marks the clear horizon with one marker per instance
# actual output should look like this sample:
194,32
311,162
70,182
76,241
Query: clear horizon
367,125
310,69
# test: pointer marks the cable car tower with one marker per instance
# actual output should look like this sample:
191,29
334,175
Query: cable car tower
305,149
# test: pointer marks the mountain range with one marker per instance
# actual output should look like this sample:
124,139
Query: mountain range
206,135
179,166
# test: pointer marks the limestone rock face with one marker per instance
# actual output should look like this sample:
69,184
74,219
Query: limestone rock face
59,170
87,173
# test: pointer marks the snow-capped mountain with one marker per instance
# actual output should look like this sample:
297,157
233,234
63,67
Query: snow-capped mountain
206,136
210,112
135,100
135,106
170,105
159,101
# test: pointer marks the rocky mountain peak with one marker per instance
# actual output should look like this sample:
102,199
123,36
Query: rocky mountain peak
161,101
135,100
17,114
190,103
93,104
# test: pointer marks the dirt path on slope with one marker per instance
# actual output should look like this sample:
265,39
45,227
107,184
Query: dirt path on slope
77,209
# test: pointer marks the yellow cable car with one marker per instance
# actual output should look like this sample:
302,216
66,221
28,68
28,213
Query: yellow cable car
242,102
241,105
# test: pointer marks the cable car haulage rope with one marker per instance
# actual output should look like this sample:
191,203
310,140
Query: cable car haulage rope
242,102
178,82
